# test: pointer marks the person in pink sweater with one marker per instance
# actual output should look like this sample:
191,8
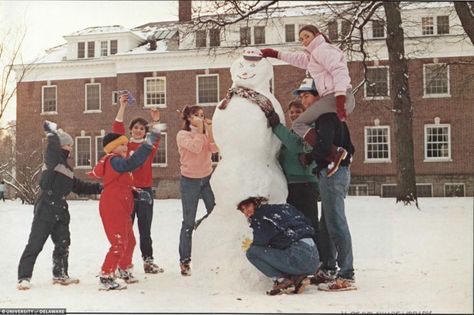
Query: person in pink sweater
327,65
142,179
195,145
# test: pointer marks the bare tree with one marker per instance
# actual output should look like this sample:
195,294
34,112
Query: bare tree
465,11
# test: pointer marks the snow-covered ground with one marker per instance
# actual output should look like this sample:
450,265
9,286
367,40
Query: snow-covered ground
405,259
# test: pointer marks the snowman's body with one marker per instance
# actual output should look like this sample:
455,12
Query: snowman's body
248,147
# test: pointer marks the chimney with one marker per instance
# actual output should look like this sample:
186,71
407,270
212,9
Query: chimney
185,11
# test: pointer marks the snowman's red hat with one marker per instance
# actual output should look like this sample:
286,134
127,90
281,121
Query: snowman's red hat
252,53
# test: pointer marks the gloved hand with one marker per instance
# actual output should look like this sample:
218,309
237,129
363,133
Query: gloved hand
246,244
141,195
340,107
273,118
152,136
311,137
268,52
306,159
50,126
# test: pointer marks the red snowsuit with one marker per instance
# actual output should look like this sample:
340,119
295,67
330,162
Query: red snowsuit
116,206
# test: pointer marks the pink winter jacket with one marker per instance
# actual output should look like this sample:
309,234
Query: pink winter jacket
325,62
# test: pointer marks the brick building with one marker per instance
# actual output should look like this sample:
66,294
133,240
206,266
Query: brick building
75,85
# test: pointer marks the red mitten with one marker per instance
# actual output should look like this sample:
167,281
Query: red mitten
268,52
340,107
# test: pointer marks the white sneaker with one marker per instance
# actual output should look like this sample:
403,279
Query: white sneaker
23,284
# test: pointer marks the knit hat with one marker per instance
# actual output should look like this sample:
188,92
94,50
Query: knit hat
64,137
113,140
307,85
252,54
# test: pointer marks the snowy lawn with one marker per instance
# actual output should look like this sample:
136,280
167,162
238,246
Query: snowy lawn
405,260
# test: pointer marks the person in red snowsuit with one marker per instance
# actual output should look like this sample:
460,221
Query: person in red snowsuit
116,204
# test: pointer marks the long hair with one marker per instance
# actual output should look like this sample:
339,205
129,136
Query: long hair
315,31
187,112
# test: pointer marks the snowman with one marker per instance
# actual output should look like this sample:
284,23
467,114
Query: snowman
249,167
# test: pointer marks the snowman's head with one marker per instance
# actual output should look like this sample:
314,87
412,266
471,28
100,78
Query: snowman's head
251,71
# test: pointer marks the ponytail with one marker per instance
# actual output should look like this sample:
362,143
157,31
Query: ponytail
186,113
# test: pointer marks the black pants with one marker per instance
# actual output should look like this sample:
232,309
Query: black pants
40,231
304,197
144,213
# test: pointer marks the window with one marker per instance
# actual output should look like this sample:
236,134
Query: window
290,33
161,156
201,38
104,48
442,24
358,190
424,190
332,30
83,152
114,98
99,149
454,190
259,34
427,26
155,91
81,50
49,99
436,80
345,28
389,190
378,29
245,36
90,49
437,142
215,37
92,97
113,47
377,144
215,158
377,83
208,89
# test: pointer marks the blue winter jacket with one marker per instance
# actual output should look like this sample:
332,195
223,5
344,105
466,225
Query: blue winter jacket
279,225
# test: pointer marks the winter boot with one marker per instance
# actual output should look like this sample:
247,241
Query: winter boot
300,283
339,284
323,276
126,275
282,285
23,284
185,269
65,280
151,267
108,283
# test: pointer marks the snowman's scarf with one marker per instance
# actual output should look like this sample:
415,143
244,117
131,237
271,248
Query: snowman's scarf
262,101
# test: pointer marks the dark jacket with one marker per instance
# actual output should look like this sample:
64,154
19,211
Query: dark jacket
57,181
279,225
331,130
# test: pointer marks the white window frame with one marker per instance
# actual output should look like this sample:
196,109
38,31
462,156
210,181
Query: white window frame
115,97
93,50
388,85
425,146
454,184
294,33
357,186
366,144
437,25
145,91
197,89
440,95
250,36
102,48
43,112
210,37
165,143
433,25
384,29
88,111
385,185
97,148
425,184
205,38
84,56
264,34
76,152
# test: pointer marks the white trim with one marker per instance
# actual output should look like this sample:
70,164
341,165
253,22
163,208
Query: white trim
357,186
366,143
425,146
440,95
145,100
197,89
381,97
87,111
97,149
382,187
454,184
166,151
114,102
55,112
76,151
425,184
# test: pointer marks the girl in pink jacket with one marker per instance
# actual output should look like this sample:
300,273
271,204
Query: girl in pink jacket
327,65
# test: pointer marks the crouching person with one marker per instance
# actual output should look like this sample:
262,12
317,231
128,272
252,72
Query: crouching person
51,214
282,247
116,205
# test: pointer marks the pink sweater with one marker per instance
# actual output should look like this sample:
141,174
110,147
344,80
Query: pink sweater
325,62
195,152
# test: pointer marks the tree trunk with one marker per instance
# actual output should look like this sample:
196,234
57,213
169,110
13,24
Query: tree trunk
466,15
402,107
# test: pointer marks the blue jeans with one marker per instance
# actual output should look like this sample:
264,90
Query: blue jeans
144,213
300,258
335,237
192,189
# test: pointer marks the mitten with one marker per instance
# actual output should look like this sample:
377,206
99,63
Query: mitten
152,136
268,52
306,159
273,118
340,107
246,244
50,126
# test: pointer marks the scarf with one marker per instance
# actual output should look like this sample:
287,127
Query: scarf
262,101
